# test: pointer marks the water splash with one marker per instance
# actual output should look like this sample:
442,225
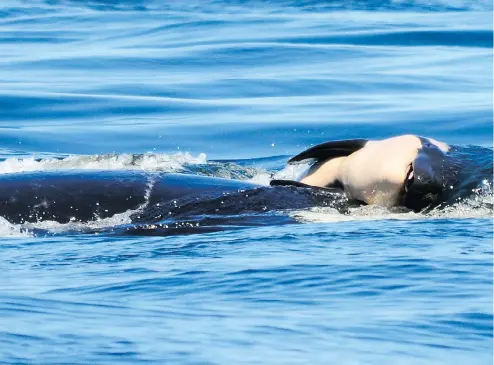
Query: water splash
8,229
146,162
478,205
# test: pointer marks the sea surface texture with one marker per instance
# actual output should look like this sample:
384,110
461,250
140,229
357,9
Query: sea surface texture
233,89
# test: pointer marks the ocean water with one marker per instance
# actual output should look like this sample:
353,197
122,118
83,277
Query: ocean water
233,89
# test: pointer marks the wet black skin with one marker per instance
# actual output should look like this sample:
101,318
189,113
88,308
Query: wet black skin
72,195
63,196
434,174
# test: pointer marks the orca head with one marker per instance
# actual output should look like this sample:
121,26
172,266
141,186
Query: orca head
428,176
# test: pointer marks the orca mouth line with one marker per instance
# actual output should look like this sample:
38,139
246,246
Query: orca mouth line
409,179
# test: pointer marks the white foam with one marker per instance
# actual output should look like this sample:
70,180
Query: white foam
8,229
364,213
478,205
98,223
148,162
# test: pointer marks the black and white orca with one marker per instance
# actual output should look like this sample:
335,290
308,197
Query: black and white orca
407,170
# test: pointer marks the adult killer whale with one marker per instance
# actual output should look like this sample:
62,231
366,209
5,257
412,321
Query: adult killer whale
411,171
86,195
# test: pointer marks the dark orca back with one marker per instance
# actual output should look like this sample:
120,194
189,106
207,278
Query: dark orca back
65,196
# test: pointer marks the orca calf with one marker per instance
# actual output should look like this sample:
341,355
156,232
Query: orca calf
411,171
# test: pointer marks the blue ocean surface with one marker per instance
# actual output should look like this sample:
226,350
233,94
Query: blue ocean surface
233,89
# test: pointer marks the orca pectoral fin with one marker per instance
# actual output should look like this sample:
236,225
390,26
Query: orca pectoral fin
336,188
328,150
298,184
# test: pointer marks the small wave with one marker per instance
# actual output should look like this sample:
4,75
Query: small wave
179,162
478,205
146,162
8,229
53,227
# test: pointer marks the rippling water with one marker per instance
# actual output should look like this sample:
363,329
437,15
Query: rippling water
232,89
